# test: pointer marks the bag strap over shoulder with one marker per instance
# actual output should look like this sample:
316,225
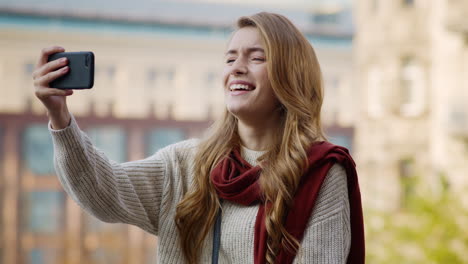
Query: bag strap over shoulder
216,238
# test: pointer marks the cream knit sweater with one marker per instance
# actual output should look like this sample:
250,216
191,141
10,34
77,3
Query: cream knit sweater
145,193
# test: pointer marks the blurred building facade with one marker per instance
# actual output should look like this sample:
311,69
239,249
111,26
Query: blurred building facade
156,82
412,68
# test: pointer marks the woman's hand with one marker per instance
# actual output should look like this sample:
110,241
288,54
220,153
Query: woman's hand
53,99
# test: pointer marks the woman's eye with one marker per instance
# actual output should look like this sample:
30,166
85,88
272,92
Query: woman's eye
230,61
259,59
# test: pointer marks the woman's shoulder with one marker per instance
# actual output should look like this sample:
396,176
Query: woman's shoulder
337,171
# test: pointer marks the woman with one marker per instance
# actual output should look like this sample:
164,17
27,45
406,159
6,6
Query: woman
280,192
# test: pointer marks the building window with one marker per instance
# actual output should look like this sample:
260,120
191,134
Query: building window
161,137
101,255
43,211
375,5
375,94
37,150
211,83
103,242
158,81
28,69
325,18
408,2
110,72
210,77
106,73
211,80
341,136
412,88
458,117
151,76
170,75
153,82
44,256
342,140
111,140
406,167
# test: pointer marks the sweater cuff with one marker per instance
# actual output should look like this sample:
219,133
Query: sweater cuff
68,137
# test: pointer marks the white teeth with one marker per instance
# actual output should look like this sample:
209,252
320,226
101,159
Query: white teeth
240,87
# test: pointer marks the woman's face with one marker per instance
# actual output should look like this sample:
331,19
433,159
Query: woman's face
247,89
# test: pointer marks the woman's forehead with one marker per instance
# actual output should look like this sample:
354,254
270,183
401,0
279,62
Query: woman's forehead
245,38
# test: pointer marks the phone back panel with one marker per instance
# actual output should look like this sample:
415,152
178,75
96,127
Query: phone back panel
81,70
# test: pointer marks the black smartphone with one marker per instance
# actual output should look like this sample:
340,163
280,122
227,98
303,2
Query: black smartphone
81,70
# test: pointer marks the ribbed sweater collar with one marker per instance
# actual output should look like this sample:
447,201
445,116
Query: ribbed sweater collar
251,156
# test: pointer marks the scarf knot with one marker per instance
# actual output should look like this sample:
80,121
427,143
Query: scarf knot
236,180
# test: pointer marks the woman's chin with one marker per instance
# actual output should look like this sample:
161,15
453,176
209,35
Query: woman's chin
238,110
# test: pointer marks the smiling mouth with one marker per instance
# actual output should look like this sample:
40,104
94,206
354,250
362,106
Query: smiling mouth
241,87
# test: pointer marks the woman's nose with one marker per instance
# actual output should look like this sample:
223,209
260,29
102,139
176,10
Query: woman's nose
239,67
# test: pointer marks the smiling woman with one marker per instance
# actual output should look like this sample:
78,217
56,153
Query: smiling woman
276,156
262,186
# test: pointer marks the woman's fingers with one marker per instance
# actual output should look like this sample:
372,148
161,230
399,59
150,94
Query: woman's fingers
44,73
46,52
44,92
44,80
48,67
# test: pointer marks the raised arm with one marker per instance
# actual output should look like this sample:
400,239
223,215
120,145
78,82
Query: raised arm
128,193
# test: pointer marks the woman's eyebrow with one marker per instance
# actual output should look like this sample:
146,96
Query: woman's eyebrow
249,50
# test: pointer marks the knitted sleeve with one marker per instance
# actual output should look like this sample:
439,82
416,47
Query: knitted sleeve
328,235
127,193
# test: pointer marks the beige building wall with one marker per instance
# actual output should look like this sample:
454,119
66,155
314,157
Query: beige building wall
411,72
139,78
136,76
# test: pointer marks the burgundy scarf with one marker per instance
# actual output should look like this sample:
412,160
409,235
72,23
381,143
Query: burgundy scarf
237,181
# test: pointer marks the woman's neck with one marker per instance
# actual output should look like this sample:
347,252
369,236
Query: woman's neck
258,135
